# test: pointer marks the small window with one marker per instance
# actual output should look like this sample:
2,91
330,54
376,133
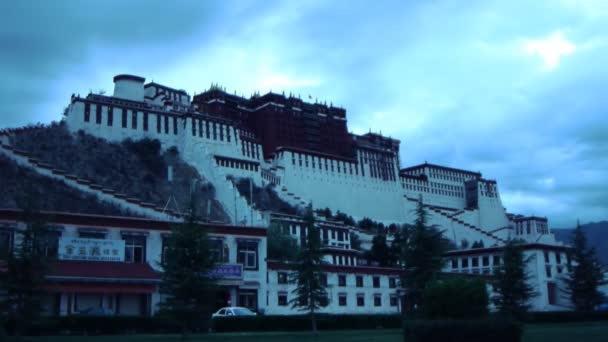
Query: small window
485,261
548,271
282,298
124,118
392,283
465,263
360,299
394,301
359,281
546,254
282,277
341,280
134,119
110,116
135,248
247,254
377,299
376,282
475,262
496,260
342,299
98,114
454,263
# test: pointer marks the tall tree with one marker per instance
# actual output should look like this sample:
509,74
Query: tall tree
510,283
281,245
585,274
26,269
310,292
380,252
186,282
419,249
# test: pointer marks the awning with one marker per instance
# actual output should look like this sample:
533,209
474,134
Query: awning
109,288
68,271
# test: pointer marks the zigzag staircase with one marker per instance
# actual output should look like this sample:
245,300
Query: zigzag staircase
454,218
25,159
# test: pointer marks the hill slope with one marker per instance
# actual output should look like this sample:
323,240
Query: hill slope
597,236
135,168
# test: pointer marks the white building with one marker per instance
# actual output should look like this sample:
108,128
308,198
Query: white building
359,175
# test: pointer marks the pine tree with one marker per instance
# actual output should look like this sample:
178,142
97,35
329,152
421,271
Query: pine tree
281,245
380,252
512,291
419,249
186,283
310,292
26,269
585,274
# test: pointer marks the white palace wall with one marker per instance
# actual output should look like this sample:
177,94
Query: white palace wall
356,194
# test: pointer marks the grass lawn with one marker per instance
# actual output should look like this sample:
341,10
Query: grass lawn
566,332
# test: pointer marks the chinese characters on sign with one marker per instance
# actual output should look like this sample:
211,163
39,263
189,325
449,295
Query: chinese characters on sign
91,249
227,271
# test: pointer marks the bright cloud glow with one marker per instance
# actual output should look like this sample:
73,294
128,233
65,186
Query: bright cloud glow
550,49
282,81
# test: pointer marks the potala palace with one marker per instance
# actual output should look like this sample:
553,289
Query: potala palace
304,150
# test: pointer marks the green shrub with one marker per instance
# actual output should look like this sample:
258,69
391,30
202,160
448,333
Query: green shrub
462,330
456,298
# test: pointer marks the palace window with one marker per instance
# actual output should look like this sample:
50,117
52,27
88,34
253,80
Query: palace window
200,128
475,262
376,282
360,299
454,263
124,118
496,260
110,116
282,298
175,125
485,261
342,299
87,112
359,281
341,280
377,299
392,283
546,255
282,277
145,121
135,248
158,130
98,114
394,300
247,254
465,263
134,119
166,124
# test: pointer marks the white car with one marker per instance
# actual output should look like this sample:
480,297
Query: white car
233,311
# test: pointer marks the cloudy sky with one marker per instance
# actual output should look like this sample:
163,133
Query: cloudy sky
515,89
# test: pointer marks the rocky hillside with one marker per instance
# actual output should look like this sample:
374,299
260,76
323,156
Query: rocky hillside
136,168
49,194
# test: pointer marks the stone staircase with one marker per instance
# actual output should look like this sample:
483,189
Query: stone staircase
232,202
454,218
112,196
